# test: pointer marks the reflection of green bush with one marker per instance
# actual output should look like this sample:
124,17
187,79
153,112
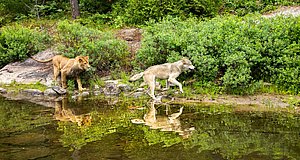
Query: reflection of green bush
236,52
236,135
20,116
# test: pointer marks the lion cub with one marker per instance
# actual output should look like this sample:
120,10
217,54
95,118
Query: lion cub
64,67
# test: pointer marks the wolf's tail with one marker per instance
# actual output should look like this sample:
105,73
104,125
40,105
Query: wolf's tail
41,61
136,77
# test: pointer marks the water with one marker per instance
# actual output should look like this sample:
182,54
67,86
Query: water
123,129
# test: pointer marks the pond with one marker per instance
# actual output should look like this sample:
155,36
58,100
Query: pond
112,128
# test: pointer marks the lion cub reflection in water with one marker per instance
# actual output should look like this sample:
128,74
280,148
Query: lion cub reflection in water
65,114
64,67
164,122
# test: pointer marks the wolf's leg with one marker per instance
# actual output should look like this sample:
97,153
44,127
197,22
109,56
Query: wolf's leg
167,86
174,81
150,80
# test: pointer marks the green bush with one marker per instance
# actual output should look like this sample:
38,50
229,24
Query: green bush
138,12
236,52
16,43
106,52
130,12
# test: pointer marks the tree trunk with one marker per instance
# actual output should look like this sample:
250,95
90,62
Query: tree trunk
75,9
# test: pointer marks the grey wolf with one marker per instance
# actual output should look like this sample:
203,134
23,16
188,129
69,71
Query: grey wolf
169,71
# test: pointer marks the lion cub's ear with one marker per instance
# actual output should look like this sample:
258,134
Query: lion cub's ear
80,60
86,58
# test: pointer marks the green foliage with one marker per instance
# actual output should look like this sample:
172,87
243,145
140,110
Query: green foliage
129,12
236,53
133,12
138,12
243,7
106,53
235,134
21,116
14,86
17,42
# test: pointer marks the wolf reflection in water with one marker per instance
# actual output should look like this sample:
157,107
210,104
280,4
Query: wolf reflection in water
164,122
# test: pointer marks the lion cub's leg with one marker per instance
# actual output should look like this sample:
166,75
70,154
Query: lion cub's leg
64,78
79,84
55,74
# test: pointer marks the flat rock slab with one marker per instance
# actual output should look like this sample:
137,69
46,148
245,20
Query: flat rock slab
29,71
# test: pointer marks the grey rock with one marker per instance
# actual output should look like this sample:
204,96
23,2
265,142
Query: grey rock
59,90
3,91
29,71
111,89
124,87
32,92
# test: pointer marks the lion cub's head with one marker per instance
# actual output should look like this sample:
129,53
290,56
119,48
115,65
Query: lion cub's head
83,62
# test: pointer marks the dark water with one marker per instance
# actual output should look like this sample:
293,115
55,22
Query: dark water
119,129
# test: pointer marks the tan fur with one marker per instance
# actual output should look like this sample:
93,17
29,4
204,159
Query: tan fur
164,122
64,67
169,71
65,114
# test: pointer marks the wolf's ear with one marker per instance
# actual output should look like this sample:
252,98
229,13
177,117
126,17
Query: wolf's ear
86,57
184,59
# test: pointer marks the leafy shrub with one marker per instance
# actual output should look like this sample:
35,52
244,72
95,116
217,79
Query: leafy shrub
16,43
131,12
106,52
236,52
138,12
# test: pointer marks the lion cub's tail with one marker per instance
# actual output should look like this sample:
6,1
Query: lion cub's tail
41,61
136,77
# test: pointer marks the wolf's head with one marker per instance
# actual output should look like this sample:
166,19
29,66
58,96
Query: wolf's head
187,64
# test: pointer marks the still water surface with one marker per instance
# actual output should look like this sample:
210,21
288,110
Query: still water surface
120,130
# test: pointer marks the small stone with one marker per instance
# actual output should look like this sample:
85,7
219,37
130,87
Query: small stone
3,91
59,90
97,93
96,87
137,94
124,87
140,89
85,94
